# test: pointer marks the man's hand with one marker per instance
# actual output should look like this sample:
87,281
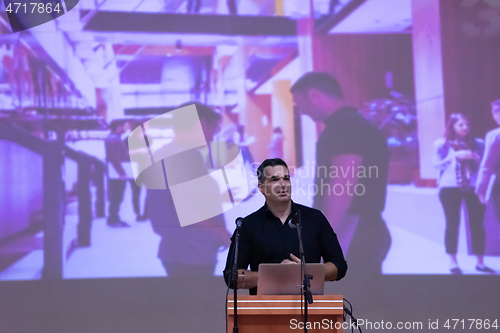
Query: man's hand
294,260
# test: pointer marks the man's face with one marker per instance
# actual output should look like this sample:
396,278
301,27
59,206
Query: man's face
120,129
495,111
303,103
126,126
277,186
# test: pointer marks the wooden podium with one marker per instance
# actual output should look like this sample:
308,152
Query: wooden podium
276,314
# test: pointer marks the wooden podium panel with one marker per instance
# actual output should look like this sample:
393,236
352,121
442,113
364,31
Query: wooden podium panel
275,314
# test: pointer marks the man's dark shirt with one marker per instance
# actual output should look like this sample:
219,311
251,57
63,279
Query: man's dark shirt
347,132
264,239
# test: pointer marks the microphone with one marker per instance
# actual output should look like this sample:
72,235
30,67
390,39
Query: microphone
239,222
292,223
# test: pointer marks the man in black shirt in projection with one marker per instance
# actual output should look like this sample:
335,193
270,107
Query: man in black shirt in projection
266,236
351,172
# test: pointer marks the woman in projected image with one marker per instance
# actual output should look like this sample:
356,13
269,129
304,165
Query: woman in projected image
457,157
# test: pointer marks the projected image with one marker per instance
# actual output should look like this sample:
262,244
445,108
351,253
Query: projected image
101,179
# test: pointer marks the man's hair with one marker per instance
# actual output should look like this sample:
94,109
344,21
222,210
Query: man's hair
495,103
321,81
205,112
269,162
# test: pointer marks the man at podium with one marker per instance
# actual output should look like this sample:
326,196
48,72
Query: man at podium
268,236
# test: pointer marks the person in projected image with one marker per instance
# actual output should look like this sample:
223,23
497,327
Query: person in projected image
193,6
136,189
490,164
267,237
276,145
348,142
191,250
116,154
245,142
457,157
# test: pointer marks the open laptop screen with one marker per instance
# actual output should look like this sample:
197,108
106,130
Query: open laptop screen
285,279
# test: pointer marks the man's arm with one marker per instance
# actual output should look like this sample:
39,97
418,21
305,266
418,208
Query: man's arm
336,206
246,279
331,271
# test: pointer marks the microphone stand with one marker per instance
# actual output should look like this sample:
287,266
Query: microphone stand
234,276
306,283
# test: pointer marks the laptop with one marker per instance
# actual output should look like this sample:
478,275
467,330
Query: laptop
285,279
